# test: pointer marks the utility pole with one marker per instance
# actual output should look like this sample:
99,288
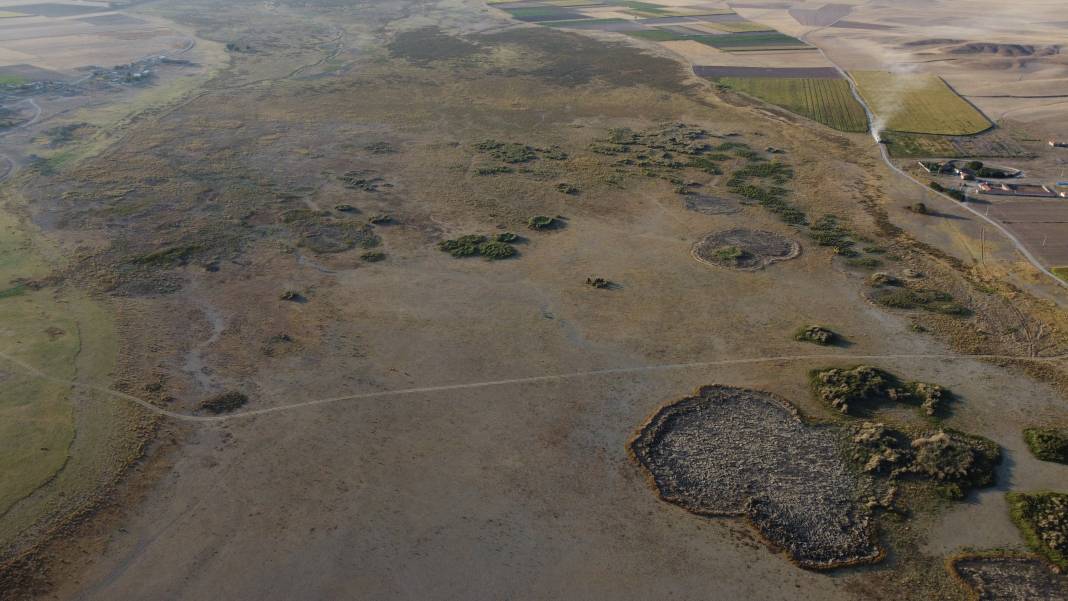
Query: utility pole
982,245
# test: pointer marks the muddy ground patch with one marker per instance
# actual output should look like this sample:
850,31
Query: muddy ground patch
736,452
1009,578
745,249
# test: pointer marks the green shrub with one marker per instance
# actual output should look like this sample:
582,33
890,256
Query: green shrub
1048,444
816,335
496,250
728,254
507,237
373,256
507,152
541,222
464,246
477,245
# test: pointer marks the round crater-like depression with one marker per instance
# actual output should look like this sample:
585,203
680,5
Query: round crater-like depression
744,249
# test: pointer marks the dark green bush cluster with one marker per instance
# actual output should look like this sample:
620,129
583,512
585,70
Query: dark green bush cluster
495,170
542,222
828,231
934,301
954,461
477,245
1048,444
225,402
508,152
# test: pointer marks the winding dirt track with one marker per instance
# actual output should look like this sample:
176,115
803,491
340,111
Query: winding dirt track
37,373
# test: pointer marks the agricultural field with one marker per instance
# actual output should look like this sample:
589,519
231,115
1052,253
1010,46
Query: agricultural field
713,26
824,100
922,104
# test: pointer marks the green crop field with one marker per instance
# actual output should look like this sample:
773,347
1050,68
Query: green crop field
918,104
751,40
657,35
827,101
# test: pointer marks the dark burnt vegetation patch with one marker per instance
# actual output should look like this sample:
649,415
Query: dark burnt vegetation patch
324,232
736,452
224,403
999,576
427,45
569,59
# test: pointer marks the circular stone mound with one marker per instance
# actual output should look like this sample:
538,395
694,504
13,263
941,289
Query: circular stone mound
710,205
736,452
1010,578
746,250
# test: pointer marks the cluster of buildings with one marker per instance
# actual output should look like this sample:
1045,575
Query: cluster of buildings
1006,189
988,186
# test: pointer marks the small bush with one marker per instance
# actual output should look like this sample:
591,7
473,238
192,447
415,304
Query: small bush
1048,444
566,188
599,283
728,254
225,402
864,262
541,222
496,250
816,335
508,237
494,170
373,256
919,208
